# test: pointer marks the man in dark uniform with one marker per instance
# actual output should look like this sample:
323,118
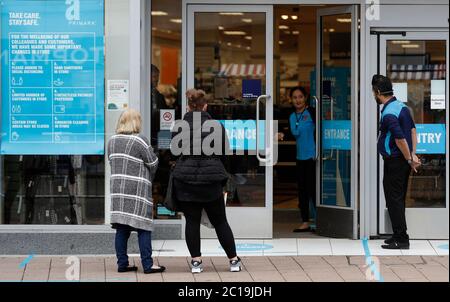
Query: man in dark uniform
397,145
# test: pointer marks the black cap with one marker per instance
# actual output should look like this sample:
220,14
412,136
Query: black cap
382,84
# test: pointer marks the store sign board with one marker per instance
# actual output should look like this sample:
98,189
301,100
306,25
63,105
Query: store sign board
52,77
431,138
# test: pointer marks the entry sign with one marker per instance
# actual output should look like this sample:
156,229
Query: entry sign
52,81
167,119
431,138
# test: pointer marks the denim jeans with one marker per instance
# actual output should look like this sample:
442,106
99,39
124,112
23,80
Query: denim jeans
145,246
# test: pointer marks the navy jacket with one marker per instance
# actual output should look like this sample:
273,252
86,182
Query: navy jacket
396,123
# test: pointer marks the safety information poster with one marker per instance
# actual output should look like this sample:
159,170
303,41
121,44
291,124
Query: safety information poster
52,77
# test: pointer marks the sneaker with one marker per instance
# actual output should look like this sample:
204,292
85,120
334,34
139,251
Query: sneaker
196,267
235,265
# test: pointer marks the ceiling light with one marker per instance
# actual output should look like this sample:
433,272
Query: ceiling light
287,32
231,14
295,32
284,17
221,28
247,20
331,30
159,13
283,27
248,37
401,42
229,44
154,28
280,42
344,20
239,46
410,45
248,48
235,33
178,21
294,17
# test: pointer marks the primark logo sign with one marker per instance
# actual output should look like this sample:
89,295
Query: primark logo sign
73,14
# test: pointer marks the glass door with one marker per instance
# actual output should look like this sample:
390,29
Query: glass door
417,64
228,53
337,96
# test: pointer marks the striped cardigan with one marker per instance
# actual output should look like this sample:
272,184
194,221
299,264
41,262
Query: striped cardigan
133,166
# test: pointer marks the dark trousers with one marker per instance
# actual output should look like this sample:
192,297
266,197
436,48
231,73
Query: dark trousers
216,214
145,246
306,177
395,184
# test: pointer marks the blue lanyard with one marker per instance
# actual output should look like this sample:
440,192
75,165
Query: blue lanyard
299,118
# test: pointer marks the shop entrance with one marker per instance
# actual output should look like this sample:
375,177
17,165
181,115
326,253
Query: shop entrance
310,39
247,58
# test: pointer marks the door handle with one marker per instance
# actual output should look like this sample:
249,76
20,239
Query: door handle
258,156
317,126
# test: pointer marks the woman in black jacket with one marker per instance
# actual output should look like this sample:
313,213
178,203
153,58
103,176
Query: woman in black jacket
199,178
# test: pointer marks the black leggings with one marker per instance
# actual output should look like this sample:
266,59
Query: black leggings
306,177
216,214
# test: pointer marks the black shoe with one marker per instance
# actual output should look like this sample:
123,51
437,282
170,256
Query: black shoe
155,270
127,269
396,245
302,230
390,240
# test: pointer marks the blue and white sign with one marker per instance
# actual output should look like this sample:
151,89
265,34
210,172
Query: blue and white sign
430,138
337,135
251,89
242,134
52,77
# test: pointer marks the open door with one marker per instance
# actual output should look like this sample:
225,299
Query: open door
337,98
228,52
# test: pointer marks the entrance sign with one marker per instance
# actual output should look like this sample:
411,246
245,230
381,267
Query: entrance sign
52,77
431,138
337,135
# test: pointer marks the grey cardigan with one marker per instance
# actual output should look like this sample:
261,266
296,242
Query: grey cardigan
133,166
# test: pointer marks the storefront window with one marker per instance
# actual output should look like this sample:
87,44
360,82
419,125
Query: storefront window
54,121
165,90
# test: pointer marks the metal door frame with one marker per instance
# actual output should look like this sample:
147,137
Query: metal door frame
353,10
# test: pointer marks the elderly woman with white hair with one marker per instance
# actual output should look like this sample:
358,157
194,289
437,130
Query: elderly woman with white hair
133,166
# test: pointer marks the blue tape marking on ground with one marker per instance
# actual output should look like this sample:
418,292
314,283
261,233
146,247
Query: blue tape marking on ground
26,261
443,247
370,262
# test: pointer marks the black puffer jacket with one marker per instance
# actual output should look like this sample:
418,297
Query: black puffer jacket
200,177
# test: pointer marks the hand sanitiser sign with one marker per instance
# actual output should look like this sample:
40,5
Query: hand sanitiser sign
52,77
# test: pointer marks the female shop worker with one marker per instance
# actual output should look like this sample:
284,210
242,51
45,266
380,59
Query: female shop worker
302,125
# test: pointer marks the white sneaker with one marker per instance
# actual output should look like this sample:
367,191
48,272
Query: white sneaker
235,265
196,267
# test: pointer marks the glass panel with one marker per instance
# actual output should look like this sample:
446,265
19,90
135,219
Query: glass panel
230,56
336,112
418,70
165,90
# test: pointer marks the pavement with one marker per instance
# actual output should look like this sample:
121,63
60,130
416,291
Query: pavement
278,260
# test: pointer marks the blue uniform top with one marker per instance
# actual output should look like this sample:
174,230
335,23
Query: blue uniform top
303,129
396,123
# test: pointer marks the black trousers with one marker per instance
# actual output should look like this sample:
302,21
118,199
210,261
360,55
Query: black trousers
216,214
306,177
395,184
